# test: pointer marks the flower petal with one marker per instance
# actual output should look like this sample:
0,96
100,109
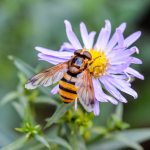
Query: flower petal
71,36
134,72
55,89
136,61
111,89
98,91
107,34
54,53
84,35
52,59
91,38
113,41
119,68
67,46
100,38
120,39
104,35
100,95
76,104
96,108
122,85
132,38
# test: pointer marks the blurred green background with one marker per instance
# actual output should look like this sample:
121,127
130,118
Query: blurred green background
25,24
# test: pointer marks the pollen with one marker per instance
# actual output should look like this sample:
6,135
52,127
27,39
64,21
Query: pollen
100,63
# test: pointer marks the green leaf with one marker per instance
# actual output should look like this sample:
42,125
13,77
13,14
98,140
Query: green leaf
119,111
41,139
17,144
7,135
28,71
9,97
59,141
99,130
137,135
27,118
128,142
58,113
46,99
77,141
19,108
114,142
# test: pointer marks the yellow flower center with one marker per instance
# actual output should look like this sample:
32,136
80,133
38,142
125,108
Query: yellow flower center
100,64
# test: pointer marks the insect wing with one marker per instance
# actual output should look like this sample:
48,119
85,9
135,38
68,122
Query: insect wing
85,92
48,76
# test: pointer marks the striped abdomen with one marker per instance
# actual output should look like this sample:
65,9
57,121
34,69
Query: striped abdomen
67,88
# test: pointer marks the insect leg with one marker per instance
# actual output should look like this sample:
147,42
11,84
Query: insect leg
94,60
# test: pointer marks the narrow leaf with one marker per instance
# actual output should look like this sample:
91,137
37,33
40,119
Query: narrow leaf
60,141
17,144
58,113
46,99
41,139
76,141
134,135
9,97
137,135
19,108
28,71
128,142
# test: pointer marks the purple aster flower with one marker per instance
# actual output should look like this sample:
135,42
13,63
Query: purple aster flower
112,69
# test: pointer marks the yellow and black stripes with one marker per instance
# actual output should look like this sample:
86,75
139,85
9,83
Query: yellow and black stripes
67,88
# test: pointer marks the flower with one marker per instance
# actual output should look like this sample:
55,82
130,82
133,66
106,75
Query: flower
112,69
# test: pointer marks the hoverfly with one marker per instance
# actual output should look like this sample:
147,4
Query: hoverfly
75,79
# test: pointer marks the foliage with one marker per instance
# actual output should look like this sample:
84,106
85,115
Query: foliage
25,24
71,129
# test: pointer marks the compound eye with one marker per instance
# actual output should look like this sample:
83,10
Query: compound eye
87,55
77,52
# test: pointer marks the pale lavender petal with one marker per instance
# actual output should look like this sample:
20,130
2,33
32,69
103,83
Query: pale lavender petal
119,68
111,99
113,41
54,53
132,38
111,89
84,35
107,34
134,72
122,85
119,76
96,108
91,38
71,36
137,50
76,104
101,96
52,59
100,38
55,89
98,91
120,53
136,61
67,46
120,39
120,56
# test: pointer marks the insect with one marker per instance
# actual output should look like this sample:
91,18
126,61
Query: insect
75,79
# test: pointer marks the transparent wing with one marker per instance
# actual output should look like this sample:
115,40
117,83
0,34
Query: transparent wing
85,92
48,76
